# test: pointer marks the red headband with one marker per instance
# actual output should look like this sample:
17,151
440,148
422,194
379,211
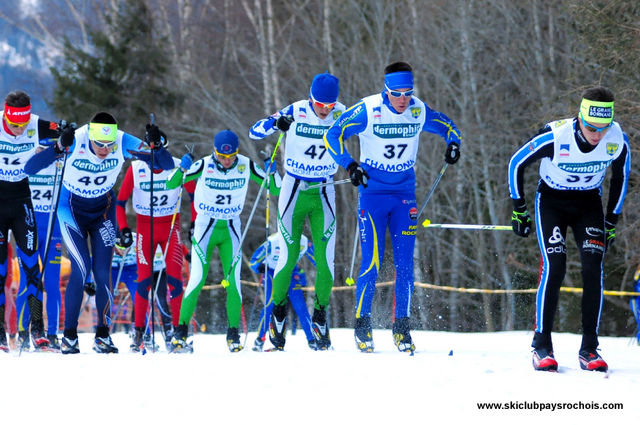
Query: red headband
16,114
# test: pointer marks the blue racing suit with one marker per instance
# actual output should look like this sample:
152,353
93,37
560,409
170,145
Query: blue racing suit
388,150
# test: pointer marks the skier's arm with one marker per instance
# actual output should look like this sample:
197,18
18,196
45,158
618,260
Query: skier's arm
126,189
352,121
536,148
258,175
258,259
438,123
190,188
621,169
41,160
267,126
136,148
193,173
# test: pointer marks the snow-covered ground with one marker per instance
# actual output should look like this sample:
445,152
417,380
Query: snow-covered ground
445,380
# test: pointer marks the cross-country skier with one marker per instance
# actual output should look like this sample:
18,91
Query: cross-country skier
42,194
221,188
166,234
87,214
20,133
575,154
307,164
388,125
259,263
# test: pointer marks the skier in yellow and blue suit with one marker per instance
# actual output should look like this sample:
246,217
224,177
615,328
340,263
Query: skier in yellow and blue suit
388,125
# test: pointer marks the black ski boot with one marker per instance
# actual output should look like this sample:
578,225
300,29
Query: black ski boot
278,326
40,341
233,340
179,340
364,335
320,328
54,343
69,343
3,339
401,335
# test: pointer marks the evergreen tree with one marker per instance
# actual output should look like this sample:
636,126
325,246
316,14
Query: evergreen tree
125,73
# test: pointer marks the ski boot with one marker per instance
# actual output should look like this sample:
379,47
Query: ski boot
40,341
258,344
3,340
233,340
402,337
24,342
278,326
320,328
54,343
364,335
69,343
313,344
102,343
591,360
167,333
179,340
149,344
137,340
543,360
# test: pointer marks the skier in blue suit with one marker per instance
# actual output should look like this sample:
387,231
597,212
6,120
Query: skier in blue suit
388,125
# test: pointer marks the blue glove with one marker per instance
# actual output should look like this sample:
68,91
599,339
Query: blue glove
269,167
187,161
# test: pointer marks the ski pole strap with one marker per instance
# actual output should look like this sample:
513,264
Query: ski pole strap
427,223
318,186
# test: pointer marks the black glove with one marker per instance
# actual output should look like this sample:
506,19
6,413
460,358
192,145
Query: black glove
357,174
261,268
153,136
610,229
191,226
284,122
187,257
125,239
453,153
90,288
67,134
520,219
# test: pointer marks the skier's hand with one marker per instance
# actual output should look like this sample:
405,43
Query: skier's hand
520,219
186,162
610,229
67,135
284,122
357,174
452,155
261,268
125,239
153,136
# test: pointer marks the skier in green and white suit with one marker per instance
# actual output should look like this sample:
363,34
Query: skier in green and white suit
223,180
307,163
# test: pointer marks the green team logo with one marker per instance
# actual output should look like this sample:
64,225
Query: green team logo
86,165
584,167
10,148
157,186
310,131
415,112
395,131
336,115
31,132
612,148
241,168
218,184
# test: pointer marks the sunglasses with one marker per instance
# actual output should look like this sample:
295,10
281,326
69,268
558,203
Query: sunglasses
397,93
15,124
322,104
592,128
104,145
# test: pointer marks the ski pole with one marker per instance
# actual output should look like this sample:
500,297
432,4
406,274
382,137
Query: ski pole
427,223
353,253
152,251
120,268
433,188
335,183
238,254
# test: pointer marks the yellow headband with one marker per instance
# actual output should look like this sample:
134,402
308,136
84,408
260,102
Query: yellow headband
103,132
597,112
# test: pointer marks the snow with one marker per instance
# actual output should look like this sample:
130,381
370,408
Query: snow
442,383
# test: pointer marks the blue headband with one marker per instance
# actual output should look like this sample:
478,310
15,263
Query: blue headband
399,80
